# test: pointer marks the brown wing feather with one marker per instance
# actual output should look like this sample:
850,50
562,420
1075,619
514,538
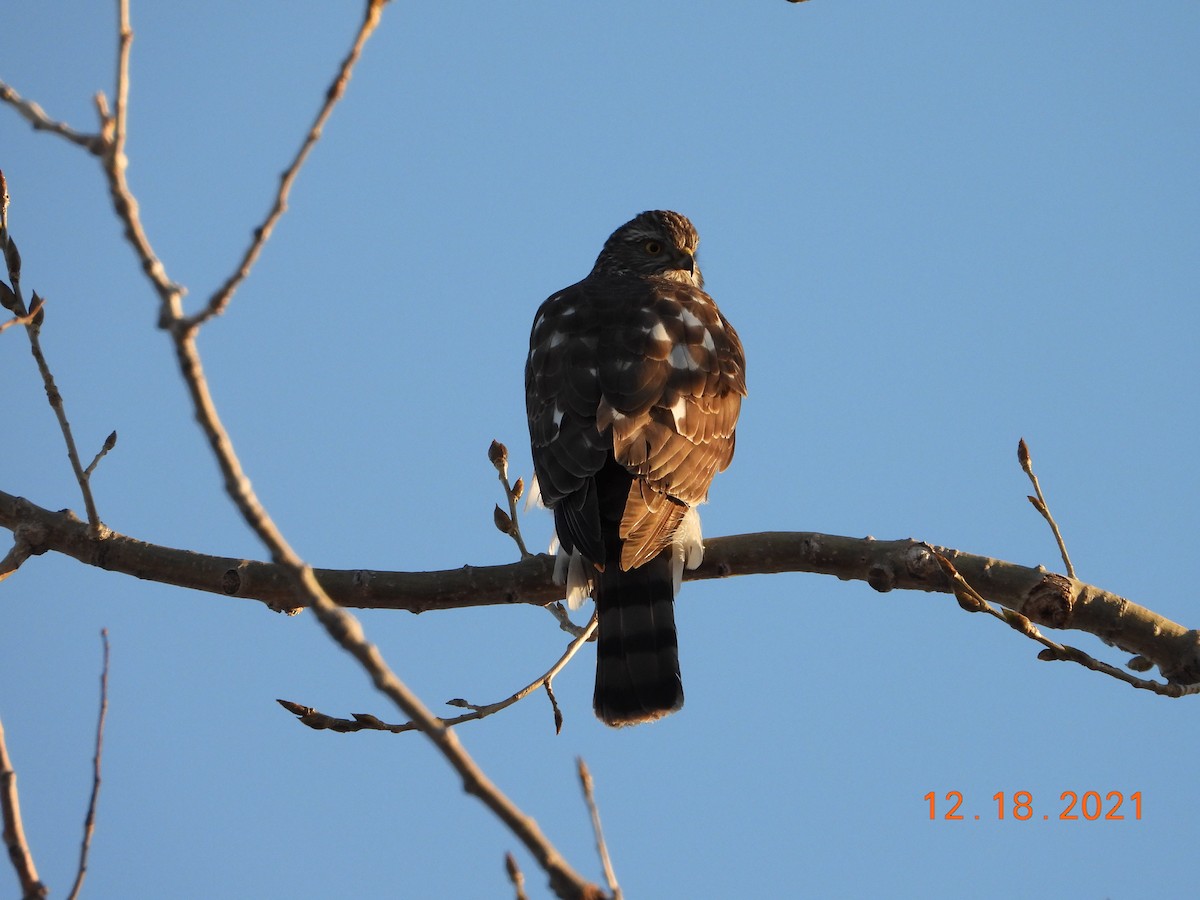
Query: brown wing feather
679,439
649,371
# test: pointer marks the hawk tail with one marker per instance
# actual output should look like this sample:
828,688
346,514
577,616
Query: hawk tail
637,652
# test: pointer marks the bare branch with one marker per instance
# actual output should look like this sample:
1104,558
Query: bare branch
89,822
219,300
515,876
26,319
304,587
54,396
115,163
36,116
559,612
1048,599
545,681
109,443
972,601
610,876
14,831
121,83
33,322
366,722
507,523
19,552
1039,503
558,716
348,632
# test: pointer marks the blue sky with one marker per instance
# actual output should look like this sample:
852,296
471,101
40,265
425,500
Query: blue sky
937,226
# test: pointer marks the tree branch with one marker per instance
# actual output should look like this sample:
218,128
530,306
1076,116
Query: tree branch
27,319
303,587
36,116
32,319
14,832
515,876
1046,599
220,299
89,822
319,721
1040,504
585,781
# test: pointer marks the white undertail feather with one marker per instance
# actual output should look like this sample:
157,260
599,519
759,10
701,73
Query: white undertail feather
570,570
687,547
533,495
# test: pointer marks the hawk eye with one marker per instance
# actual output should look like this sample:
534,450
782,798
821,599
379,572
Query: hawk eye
653,247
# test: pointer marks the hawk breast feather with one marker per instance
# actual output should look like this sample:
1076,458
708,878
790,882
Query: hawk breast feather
646,371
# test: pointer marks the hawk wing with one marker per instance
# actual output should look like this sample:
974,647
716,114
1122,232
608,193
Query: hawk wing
645,372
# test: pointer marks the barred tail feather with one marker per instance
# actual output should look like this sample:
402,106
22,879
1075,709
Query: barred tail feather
637,652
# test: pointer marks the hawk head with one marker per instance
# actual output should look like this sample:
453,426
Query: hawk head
656,243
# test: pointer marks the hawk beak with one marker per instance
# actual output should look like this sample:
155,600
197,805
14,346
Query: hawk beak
687,263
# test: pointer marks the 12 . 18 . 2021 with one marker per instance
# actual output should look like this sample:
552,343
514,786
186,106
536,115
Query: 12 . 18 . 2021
1072,806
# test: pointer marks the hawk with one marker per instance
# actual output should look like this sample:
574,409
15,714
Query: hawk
633,385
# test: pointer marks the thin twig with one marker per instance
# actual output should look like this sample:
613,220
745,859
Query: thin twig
54,396
585,778
1039,503
559,612
115,163
366,722
89,822
507,523
33,332
120,119
26,319
515,876
36,116
14,830
109,443
220,299
558,716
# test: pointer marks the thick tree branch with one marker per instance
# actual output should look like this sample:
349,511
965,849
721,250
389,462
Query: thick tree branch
1050,600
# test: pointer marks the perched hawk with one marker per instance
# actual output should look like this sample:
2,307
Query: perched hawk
633,386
